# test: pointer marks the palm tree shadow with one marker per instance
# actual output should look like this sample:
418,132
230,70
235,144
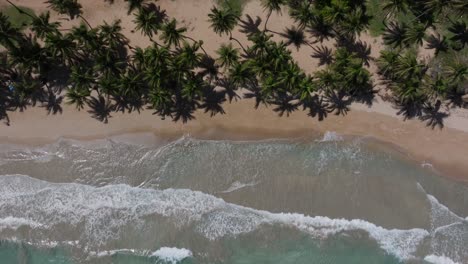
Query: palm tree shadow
208,67
101,108
161,14
316,106
359,47
367,97
408,110
183,110
229,89
323,54
249,26
433,116
285,103
212,101
338,103
53,104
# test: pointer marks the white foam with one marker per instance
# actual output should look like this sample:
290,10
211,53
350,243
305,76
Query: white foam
101,212
439,260
172,254
331,136
16,222
238,185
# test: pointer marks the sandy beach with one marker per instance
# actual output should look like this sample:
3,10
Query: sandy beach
446,149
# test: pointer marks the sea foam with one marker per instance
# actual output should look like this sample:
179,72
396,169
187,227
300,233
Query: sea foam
95,208
439,259
172,254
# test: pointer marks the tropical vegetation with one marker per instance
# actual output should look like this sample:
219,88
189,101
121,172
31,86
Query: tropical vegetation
95,67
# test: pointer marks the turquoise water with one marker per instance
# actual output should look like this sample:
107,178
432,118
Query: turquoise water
339,200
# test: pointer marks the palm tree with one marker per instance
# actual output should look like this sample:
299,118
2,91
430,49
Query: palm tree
8,34
415,34
395,6
356,22
387,62
82,79
147,21
112,35
87,38
61,47
188,55
171,34
270,6
66,7
457,72
134,4
77,97
222,21
436,7
228,55
320,29
303,14
460,34
41,25
461,6
394,34
408,67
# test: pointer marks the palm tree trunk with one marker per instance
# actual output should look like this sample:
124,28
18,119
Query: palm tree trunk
266,21
238,42
201,45
86,21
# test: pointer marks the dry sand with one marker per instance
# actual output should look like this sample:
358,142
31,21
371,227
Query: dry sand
446,149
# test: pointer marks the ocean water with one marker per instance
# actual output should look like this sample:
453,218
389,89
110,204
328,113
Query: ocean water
330,200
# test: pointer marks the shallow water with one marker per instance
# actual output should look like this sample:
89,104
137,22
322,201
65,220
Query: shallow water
336,200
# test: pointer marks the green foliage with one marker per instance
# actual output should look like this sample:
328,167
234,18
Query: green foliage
17,19
236,6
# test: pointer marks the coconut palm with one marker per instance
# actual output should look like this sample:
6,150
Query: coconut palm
112,35
387,62
171,34
147,22
222,21
457,72
303,14
77,97
395,6
42,26
61,47
408,67
461,6
227,55
8,34
66,7
272,6
320,29
82,79
134,5
355,22
436,7
188,55
87,38
395,34
460,34
415,34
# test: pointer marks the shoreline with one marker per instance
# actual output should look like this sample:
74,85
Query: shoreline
445,149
